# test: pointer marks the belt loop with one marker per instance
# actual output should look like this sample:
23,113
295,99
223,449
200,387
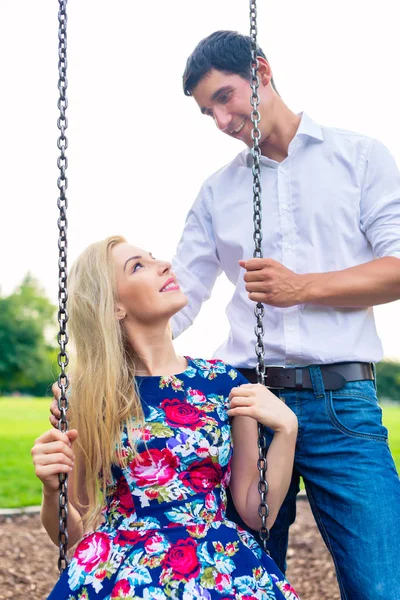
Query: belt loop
298,379
317,381
373,367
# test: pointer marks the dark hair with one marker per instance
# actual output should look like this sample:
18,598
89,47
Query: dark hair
227,51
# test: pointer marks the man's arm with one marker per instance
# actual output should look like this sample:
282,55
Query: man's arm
376,282
369,284
196,262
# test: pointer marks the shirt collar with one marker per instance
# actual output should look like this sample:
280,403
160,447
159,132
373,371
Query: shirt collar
308,129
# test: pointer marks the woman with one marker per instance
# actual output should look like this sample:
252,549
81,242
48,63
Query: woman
151,448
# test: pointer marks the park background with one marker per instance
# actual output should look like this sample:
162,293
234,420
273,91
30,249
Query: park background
138,153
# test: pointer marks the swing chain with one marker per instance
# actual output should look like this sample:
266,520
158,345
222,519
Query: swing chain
257,236
62,203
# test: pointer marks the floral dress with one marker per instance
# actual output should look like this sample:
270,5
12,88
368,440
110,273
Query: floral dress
165,533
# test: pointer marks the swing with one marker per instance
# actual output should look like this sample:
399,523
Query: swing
62,203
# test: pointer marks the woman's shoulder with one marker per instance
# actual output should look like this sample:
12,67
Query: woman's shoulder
215,368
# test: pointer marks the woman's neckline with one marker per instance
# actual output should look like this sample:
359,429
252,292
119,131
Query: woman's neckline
163,376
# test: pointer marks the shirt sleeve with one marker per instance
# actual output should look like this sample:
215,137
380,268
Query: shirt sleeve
380,201
196,263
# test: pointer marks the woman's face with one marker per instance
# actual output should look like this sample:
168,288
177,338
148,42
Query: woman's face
147,289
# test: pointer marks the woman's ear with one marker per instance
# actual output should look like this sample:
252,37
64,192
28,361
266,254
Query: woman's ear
120,312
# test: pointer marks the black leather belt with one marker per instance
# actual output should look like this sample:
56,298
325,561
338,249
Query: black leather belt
334,376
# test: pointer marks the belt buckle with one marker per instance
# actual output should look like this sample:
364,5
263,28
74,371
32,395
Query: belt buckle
269,372
297,381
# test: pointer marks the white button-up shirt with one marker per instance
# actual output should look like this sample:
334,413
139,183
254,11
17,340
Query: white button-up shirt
333,203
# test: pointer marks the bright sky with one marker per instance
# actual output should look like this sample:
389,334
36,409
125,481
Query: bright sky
138,148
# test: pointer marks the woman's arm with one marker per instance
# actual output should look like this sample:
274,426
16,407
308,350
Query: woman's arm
52,454
249,404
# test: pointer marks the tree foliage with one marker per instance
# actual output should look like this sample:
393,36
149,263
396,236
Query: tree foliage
27,346
388,380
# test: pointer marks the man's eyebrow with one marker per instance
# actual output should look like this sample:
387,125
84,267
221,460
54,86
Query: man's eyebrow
131,258
222,90
218,92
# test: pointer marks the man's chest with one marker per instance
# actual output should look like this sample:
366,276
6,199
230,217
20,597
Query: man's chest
307,212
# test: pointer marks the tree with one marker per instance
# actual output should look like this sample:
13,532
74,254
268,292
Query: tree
388,380
27,352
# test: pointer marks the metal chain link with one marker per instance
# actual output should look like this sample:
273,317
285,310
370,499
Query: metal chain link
257,236
62,203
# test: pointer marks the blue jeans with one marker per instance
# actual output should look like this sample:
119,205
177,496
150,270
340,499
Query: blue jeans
351,481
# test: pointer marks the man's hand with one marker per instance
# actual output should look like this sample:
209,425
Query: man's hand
269,282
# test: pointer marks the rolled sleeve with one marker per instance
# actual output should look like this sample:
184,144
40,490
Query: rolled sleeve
380,201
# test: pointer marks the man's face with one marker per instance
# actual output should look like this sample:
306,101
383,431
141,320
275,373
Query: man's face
226,98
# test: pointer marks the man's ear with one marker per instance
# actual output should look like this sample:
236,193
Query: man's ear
264,71
120,312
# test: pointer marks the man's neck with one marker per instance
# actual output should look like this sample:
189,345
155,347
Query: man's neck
285,125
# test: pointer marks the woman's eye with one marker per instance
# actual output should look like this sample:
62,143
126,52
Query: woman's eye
135,268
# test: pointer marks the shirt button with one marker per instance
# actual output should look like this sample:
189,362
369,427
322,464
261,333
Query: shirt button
285,207
292,328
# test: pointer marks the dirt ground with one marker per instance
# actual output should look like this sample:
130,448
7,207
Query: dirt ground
28,559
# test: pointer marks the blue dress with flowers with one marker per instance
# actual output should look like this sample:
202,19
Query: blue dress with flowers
165,533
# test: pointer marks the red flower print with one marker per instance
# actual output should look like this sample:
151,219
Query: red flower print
125,500
227,476
196,396
288,588
154,467
131,536
202,452
152,494
153,544
182,559
197,530
144,434
231,549
102,574
180,413
210,501
92,550
222,581
121,589
202,476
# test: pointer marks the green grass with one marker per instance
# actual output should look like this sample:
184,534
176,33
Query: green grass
391,420
22,420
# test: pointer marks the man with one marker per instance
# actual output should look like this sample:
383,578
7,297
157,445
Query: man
331,242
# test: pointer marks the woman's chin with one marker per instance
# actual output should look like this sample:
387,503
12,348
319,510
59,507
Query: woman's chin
179,302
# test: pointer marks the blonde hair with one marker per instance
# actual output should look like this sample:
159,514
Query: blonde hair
103,394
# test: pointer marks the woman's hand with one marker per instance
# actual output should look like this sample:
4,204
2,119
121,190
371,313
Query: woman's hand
256,401
52,454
